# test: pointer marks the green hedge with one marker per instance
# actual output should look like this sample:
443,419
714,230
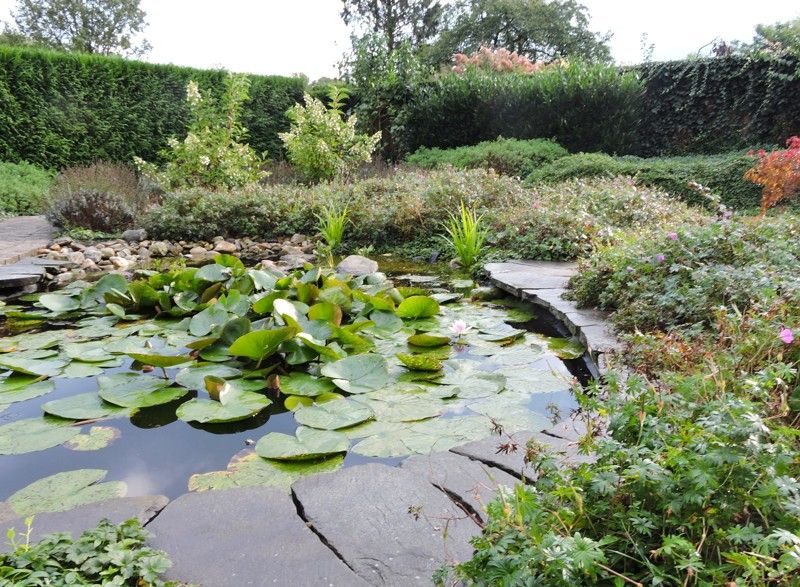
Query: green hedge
507,156
582,107
61,109
724,174
720,104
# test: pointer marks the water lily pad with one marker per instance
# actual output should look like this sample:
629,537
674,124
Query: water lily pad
84,406
358,373
295,402
386,321
65,491
400,407
27,392
510,413
418,307
333,415
299,383
232,407
160,361
247,469
34,434
428,340
194,377
420,362
260,344
565,348
309,443
438,434
22,363
134,390
59,302
97,438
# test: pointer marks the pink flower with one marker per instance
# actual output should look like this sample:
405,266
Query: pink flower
660,258
673,236
459,327
786,335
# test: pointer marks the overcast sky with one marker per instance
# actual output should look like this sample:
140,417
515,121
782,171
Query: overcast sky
307,36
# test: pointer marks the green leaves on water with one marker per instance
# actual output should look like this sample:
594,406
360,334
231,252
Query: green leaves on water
260,344
160,361
333,415
309,443
418,307
26,392
247,469
233,406
420,362
358,373
133,390
34,434
98,437
565,348
84,406
194,377
59,302
303,384
428,340
65,491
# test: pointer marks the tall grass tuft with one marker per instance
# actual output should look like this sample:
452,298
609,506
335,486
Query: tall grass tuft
466,235
331,223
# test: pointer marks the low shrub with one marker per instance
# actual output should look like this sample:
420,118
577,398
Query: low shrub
549,222
724,174
106,555
693,486
24,188
507,156
105,197
682,276
777,172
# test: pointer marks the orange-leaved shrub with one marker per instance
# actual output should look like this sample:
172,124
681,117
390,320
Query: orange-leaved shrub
778,172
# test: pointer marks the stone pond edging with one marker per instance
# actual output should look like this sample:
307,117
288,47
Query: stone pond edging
368,524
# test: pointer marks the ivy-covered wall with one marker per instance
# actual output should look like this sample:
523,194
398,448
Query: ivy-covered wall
60,109
720,104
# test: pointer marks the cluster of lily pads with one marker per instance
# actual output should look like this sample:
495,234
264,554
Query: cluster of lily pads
363,365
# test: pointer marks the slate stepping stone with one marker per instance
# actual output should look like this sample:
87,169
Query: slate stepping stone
388,524
245,536
82,518
472,482
20,275
488,451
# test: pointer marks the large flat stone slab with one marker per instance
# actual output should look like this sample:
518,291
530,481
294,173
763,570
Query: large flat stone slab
80,519
22,236
471,482
513,462
390,525
245,536
19,275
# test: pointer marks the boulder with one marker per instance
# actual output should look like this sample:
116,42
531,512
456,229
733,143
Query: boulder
225,247
134,235
159,249
357,265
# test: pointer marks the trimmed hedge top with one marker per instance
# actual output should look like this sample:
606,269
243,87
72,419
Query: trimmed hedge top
60,109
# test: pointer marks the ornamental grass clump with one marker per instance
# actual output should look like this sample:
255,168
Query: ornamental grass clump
214,153
467,233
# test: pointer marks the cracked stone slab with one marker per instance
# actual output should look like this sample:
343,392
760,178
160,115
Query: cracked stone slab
472,482
245,536
19,275
513,461
80,519
572,429
390,525
599,338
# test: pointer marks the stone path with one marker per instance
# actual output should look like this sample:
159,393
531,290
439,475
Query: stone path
22,236
369,524
544,283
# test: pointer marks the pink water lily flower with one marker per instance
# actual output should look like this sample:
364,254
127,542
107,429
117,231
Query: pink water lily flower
786,335
459,327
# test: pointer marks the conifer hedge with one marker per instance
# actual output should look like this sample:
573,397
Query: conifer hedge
60,109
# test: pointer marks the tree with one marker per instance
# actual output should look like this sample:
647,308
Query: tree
398,21
781,36
89,26
541,30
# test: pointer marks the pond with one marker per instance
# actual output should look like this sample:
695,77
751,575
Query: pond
224,376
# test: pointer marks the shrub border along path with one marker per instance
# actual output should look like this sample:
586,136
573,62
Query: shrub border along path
369,524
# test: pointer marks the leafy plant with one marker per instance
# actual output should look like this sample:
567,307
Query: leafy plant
467,234
322,143
108,554
214,153
778,172
24,188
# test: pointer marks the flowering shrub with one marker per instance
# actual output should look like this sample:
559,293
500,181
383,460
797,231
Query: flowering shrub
498,60
778,172
322,143
213,154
